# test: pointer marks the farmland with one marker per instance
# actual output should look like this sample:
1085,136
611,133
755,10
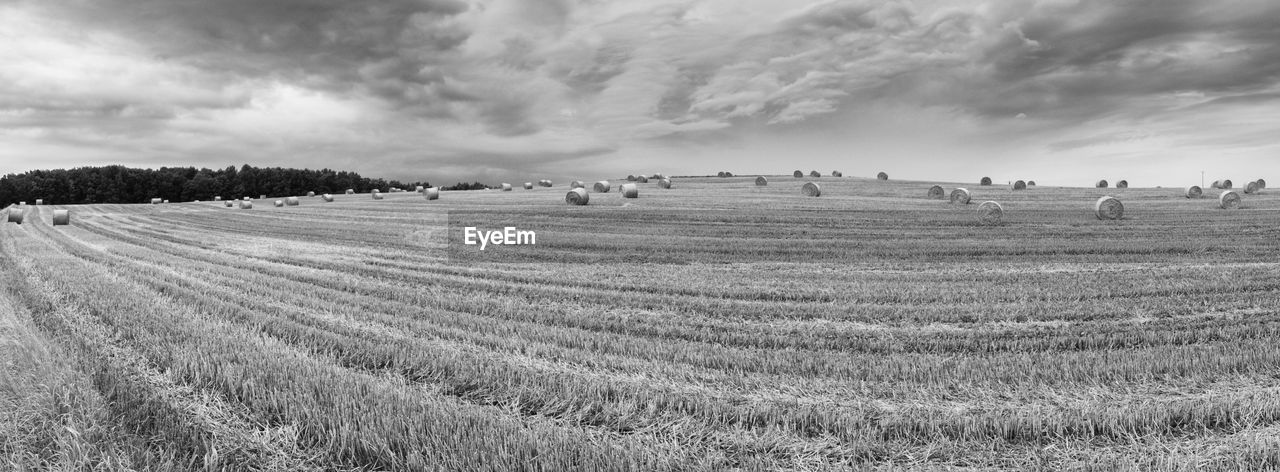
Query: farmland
716,325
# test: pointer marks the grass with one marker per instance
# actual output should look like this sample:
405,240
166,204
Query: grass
715,325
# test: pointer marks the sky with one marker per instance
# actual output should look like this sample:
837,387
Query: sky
1062,92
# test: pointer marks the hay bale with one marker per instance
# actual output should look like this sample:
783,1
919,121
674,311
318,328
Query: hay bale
1122,184
217,199
351,192
544,183
1031,183
527,186
246,205
602,186
431,193
311,194
1229,200
985,181
247,199
154,201
836,173
629,191
24,202
642,179
728,174
664,183
937,192
377,196
16,215
166,201
1102,184
990,213
419,188
278,203
1019,185
1194,191
39,201
578,196
577,184
291,201
797,174
1108,208
1251,187
61,217
960,195
720,174
814,174
631,178
262,197
1226,184
1217,184
1262,183
882,176
659,176
761,181
328,198
810,189
229,204
506,187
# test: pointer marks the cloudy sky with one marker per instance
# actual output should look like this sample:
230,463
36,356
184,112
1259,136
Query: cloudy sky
1063,92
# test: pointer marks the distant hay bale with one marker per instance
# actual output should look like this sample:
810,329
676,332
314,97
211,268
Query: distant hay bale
419,188
278,203
544,183
262,197
937,192
506,187
985,181
1102,184
39,201
327,197
577,184
631,178
1194,191
527,186
1226,184
1217,184
810,189
658,176
1229,200
578,196
217,199
960,195
1019,185
642,179
165,201
814,174
376,196
990,213
246,205
761,181
156,201
291,201
728,174
61,217
629,191
797,174
431,193
16,215
351,192
720,174
1108,208
836,173
1251,187
882,176
602,186
1031,183
311,194
1122,184
664,183
228,204
1262,183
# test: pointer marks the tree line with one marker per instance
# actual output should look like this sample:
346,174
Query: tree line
119,184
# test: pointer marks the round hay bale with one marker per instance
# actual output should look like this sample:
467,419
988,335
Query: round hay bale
217,199
1019,185
578,196
16,215
419,188
577,184
1217,184
761,181
311,194
642,179
229,204
1122,184
1031,183
882,176
720,174
327,197
1251,187
166,201
960,195
291,201
629,191
631,178
797,174
506,187
351,192
664,183
985,181
246,205
1262,183
39,201
836,173
990,213
659,176
527,186
1229,200
247,199
937,192
61,217
814,174
728,174
377,196
544,183
156,201
1102,184
431,193
1226,184
1194,191
810,189
602,186
1108,208
278,203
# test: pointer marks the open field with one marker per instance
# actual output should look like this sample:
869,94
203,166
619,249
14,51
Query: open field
714,325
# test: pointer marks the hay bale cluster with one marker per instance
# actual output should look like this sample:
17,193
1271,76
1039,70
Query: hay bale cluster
836,173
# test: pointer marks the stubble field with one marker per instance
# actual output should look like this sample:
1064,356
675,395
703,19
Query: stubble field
716,325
